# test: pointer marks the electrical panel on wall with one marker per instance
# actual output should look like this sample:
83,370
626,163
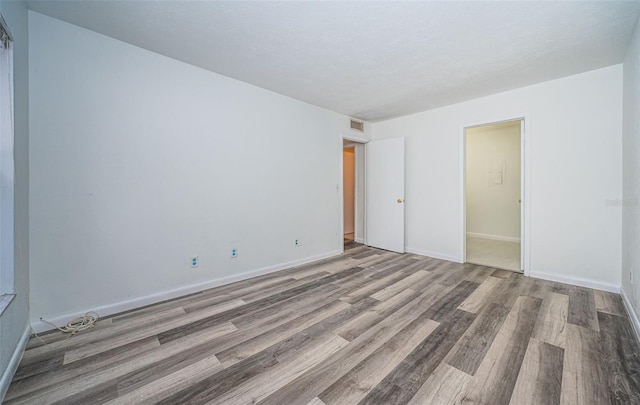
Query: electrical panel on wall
497,169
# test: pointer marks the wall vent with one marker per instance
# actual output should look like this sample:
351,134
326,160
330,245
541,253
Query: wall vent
357,125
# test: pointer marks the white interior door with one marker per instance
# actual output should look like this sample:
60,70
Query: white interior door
385,194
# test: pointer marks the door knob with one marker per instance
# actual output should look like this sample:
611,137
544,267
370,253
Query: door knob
400,200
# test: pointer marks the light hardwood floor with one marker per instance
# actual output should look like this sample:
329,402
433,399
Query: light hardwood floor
368,327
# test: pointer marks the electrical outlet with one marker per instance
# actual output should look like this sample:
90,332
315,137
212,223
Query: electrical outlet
296,242
234,253
195,261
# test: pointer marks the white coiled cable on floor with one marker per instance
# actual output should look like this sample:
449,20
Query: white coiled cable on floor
79,324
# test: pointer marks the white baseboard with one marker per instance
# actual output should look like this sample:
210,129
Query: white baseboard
110,309
360,240
8,374
435,255
492,237
632,313
579,281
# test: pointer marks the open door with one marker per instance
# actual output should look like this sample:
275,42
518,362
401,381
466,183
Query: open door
385,194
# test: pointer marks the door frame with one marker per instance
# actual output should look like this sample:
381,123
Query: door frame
360,181
525,186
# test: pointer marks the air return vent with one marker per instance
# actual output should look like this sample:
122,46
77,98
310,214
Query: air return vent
357,125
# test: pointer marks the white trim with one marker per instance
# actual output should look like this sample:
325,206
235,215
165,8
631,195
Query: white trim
360,212
354,137
340,191
435,255
13,363
110,309
5,301
492,237
7,175
462,209
357,143
525,185
579,281
633,316
524,158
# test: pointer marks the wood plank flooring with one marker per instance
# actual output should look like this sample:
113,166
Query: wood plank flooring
367,327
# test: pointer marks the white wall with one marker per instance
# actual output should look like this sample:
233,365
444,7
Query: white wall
14,321
348,185
630,202
492,205
575,142
139,162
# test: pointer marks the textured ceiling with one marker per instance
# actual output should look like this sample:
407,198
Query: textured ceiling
371,60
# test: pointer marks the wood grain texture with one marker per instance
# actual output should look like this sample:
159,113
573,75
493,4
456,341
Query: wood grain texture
582,308
470,350
507,292
620,357
353,386
583,378
476,273
373,287
609,303
475,301
442,308
362,323
77,385
98,334
495,379
93,365
331,370
445,386
255,345
502,273
540,376
398,286
262,362
153,329
259,387
368,326
402,383
552,319
163,387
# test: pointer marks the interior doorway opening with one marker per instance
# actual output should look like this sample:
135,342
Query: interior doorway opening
349,191
353,193
493,189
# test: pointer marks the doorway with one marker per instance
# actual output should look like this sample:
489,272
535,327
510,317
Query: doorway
349,190
353,205
493,189
379,192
